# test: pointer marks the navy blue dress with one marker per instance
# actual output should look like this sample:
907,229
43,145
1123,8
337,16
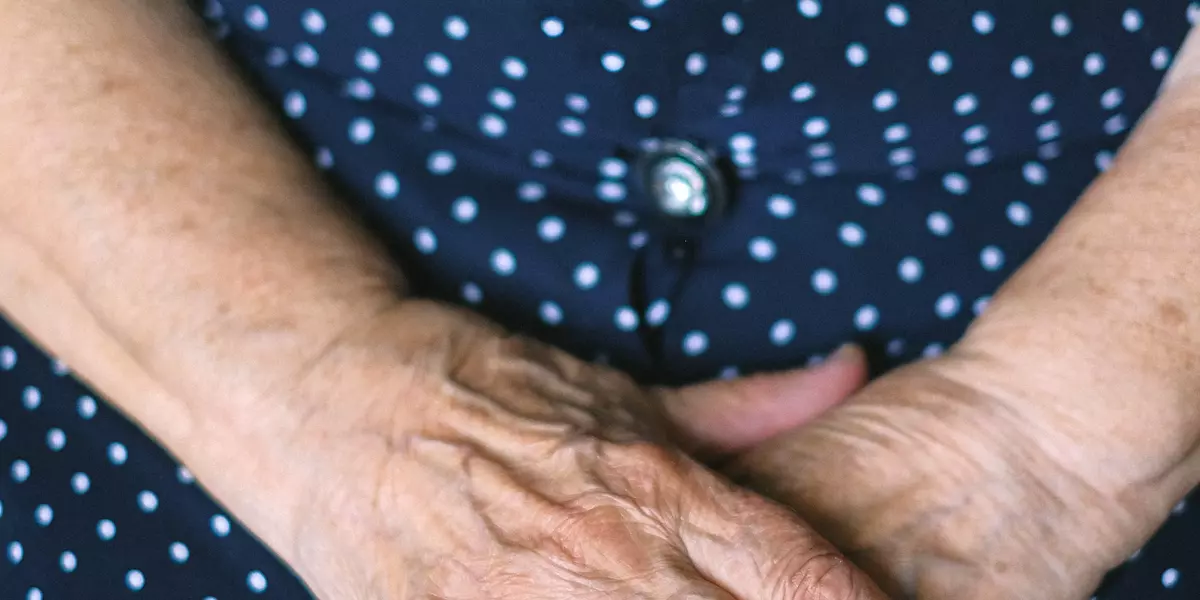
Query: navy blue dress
888,166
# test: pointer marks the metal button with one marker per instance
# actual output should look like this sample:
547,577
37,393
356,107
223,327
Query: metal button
682,180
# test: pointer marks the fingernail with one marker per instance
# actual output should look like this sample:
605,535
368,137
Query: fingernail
847,351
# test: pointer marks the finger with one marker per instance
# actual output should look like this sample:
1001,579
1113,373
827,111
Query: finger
732,415
759,550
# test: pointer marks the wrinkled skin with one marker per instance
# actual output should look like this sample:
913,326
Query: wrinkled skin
471,464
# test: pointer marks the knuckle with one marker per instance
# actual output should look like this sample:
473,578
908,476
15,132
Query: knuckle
820,574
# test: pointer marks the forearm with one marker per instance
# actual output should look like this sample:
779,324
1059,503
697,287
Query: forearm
147,179
1112,301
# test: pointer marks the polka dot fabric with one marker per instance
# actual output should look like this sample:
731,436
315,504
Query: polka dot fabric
890,163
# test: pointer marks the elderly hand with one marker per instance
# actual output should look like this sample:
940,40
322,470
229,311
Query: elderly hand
439,457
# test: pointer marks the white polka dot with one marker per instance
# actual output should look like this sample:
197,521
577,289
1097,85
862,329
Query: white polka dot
742,142
437,64
1034,173
1048,131
896,15
8,358
571,126
464,209
992,258
276,57
900,156
809,8
305,55
824,281
472,293
179,553
783,332
587,275
895,133
256,18
541,159
980,305
932,350
1049,151
910,269
803,92
503,262
117,453
550,313
387,185
31,397
1042,103
1022,67
940,62
56,439
514,68
441,162
772,60
736,93
220,525
1093,63
762,249
68,562
866,317
884,100
381,24
1060,24
947,305
781,207
1018,213
80,483
257,582
531,191
147,501
939,223
731,23
1179,508
821,150
983,22
367,60
610,191
612,62
856,54
59,367
492,125
20,470
502,99
816,127
956,183
735,295
645,106
551,229
456,27
295,104
3,429
657,312
695,343
1131,20
106,529
313,21
1193,13
1112,98
975,134
43,514
852,234
360,89
695,63
1160,59
552,26
1104,160
966,104
625,319
33,594
135,580
15,552
1170,577
1115,124
639,23
653,3
361,130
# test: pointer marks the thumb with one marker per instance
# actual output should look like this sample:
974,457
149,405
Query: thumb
727,416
